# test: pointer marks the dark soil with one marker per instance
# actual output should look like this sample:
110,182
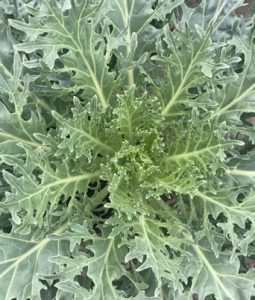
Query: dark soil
248,10
245,11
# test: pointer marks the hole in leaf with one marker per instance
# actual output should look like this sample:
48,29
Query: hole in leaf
111,28
154,5
90,192
248,118
103,184
97,230
240,198
210,297
220,219
112,63
37,173
98,45
50,291
239,70
124,284
93,184
158,24
79,196
193,3
187,284
5,223
84,280
44,34
39,53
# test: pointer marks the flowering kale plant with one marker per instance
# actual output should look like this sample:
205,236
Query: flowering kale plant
127,161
